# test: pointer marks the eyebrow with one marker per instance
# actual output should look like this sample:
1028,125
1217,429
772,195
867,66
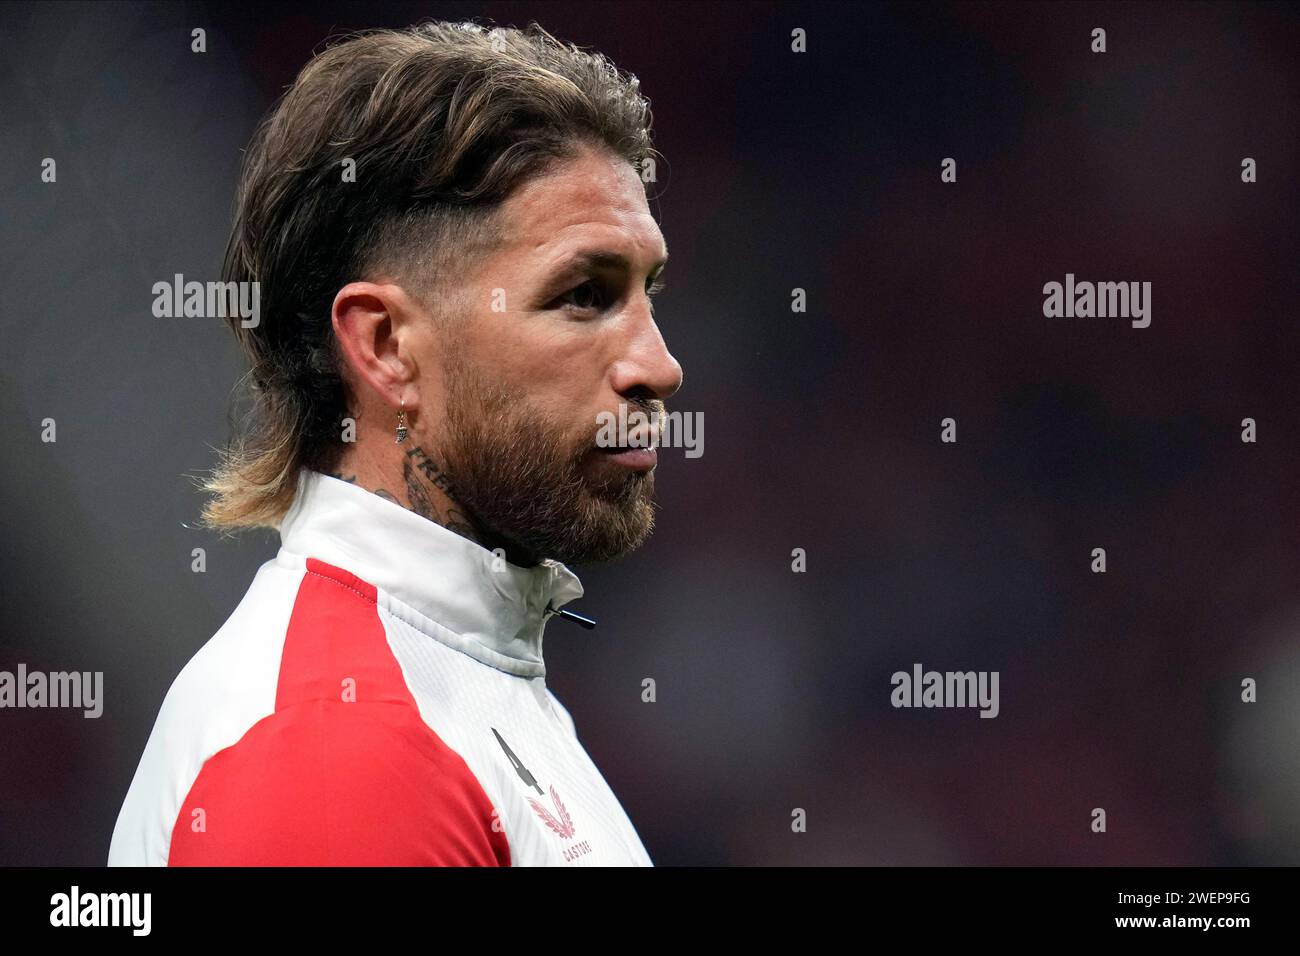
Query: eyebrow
602,259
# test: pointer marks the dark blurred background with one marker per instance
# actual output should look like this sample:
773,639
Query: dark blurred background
820,171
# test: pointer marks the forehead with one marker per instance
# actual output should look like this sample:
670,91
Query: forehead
594,200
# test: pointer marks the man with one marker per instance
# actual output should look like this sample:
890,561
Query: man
455,261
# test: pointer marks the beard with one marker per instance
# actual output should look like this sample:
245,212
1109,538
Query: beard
535,484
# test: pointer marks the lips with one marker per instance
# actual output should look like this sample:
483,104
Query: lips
639,453
637,459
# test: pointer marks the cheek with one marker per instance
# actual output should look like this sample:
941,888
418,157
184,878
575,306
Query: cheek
564,373
430,377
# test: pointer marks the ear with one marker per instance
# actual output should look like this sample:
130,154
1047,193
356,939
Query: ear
375,324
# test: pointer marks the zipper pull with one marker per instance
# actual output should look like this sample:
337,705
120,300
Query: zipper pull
578,619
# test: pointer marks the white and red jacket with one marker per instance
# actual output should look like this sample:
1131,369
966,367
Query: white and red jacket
377,698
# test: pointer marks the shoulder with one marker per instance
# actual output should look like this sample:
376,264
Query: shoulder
342,770
230,681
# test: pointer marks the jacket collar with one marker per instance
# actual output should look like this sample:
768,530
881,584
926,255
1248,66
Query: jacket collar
486,607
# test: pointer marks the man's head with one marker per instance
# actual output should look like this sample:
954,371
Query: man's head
488,270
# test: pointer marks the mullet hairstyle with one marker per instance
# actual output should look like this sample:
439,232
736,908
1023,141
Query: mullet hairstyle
442,122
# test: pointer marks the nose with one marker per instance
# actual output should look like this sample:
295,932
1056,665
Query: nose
646,365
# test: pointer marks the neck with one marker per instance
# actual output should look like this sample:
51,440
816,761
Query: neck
412,477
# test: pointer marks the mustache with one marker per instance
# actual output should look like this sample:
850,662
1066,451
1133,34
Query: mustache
652,409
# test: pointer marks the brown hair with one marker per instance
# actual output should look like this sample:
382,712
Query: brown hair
443,121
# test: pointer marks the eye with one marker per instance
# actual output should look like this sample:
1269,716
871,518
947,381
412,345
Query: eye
584,297
655,287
